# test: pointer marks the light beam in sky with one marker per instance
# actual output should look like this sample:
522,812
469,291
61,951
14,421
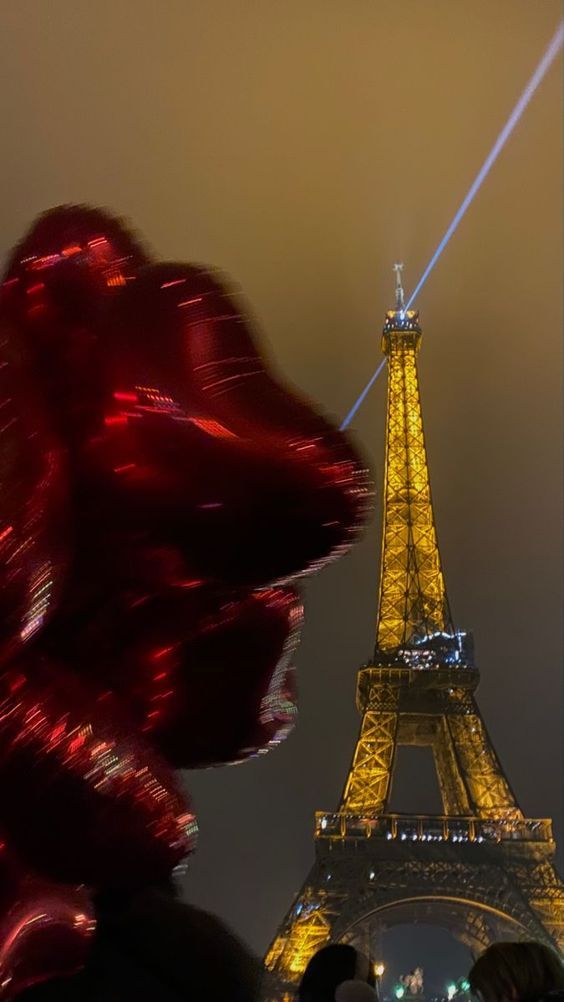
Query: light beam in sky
546,61
360,399
544,65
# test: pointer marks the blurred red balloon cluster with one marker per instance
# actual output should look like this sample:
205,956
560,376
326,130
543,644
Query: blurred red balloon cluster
160,494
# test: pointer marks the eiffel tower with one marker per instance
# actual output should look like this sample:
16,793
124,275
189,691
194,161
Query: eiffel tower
480,869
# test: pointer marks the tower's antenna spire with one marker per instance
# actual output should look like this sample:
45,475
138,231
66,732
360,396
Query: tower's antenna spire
400,301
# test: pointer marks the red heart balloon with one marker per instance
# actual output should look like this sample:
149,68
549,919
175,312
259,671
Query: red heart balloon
192,471
46,930
202,447
278,491
83,798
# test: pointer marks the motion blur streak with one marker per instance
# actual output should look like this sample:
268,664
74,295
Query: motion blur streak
550,54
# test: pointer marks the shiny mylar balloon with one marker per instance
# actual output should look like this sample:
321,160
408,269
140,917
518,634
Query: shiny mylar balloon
46,929
34,536
199,487
82,797
204,450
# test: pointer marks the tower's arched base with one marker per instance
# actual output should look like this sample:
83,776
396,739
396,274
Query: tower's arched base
360,886
474,925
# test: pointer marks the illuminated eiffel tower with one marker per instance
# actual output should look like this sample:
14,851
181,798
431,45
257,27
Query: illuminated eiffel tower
480,869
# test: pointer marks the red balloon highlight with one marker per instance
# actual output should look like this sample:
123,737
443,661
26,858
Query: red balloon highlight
34,510
82,797
46,929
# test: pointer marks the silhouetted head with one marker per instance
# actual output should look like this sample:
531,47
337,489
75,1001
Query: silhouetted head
330,968
516,972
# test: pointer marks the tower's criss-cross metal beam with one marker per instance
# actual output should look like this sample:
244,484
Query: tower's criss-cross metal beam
546,61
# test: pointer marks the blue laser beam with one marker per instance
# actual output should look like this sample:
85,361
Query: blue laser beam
544,65
546,61
364,393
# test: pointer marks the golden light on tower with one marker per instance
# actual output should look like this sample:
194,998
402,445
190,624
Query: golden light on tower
486,870
412,601
309,933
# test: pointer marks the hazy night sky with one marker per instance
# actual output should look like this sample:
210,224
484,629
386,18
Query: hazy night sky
304,146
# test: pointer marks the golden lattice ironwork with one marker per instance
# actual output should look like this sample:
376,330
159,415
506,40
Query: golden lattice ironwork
440,716
489,793
368,784
413,602
310,931
481,868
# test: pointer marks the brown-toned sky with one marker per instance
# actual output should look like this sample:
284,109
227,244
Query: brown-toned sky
304,146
